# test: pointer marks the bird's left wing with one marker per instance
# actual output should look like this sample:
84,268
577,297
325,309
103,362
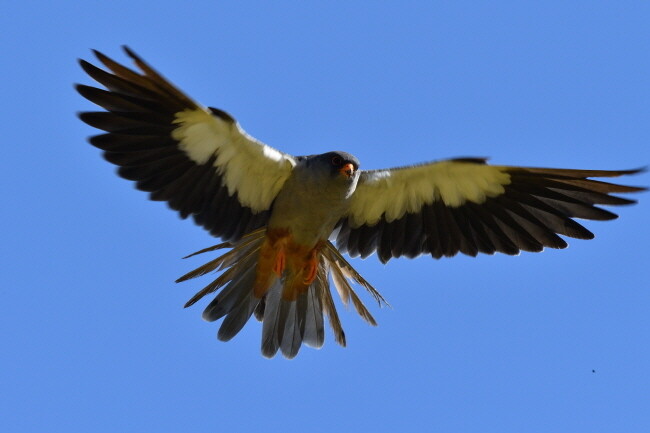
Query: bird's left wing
197,159
465,205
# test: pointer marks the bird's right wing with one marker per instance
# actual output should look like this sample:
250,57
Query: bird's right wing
197,159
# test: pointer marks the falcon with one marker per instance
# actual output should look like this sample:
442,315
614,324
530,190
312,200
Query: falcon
286,220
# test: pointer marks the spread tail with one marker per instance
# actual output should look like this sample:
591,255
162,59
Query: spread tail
286,323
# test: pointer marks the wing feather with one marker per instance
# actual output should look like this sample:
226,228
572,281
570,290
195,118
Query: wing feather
464,205
180,151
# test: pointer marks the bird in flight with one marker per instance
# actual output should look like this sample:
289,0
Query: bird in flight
286,220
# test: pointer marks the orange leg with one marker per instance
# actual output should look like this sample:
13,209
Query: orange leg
280,260
271,262
280,257
311,268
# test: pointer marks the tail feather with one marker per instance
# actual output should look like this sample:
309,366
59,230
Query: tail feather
230,275
259,310
270,325
283,312
330,309
335,258
314,334
233,294
361,309
238,251
286,323
346,293
237,317
208,249
281,327
342,286
292,333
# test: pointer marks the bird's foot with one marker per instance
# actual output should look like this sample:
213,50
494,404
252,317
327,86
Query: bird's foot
272,260
280,261
310,270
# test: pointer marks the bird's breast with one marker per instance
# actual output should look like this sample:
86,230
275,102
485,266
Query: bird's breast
309,210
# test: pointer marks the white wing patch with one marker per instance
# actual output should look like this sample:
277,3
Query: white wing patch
395,192
250,168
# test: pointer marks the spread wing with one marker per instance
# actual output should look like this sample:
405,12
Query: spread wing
467,206
197,159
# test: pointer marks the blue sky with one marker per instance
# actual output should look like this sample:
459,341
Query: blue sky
94,335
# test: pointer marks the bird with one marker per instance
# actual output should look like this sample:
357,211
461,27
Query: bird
286,221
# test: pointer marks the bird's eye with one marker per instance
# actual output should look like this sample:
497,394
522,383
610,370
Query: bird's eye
336,160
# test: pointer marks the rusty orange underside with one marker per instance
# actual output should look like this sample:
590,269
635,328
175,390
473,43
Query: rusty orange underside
280,255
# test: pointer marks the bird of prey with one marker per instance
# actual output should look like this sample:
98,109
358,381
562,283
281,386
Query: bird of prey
286,219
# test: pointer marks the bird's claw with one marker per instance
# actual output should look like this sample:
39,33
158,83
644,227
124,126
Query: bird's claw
280,262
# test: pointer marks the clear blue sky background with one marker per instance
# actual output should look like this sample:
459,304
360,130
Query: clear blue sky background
93,333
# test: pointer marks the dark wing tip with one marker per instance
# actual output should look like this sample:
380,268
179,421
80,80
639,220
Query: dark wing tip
85,91
87,66
97,119
129,52
100,56
588,235
634,170
86,116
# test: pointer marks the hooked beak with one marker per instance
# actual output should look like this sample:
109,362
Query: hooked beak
347,170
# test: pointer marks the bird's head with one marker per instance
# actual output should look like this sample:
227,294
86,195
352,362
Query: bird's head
339,165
